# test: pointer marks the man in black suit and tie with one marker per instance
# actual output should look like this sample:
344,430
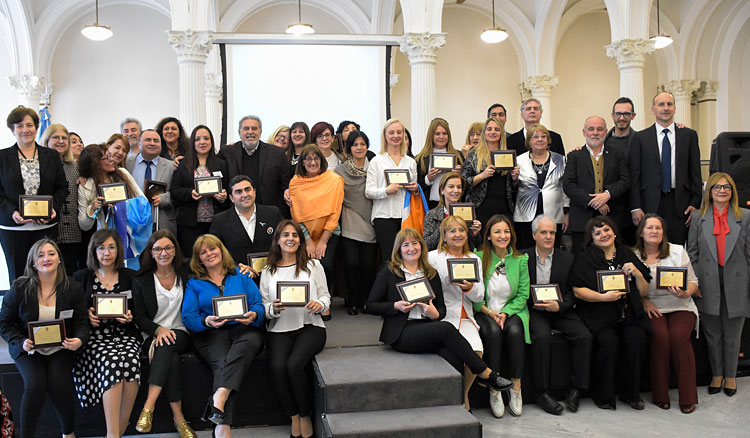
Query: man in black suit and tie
665,170
548,265
531,113
265,164
248,227
596,180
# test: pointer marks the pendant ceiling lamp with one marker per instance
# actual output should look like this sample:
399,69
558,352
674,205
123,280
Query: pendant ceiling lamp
660,40
299,28
494,34
96,32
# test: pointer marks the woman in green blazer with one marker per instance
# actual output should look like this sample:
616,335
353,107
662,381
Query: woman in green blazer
503,315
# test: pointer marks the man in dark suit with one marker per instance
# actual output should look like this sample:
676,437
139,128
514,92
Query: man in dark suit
550,266
531,113
596,180
248,227
265,164
670,183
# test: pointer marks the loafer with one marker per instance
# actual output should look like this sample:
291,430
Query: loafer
573,399
496,381
605,405
689,409
730,391
185,430
352,310
663,405
144,421
497,406
549,404
516,403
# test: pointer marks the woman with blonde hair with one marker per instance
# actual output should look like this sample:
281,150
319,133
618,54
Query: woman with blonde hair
118,148
438,140
473,137
280,137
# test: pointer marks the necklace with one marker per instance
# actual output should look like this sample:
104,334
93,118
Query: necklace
168,274
540,168
611,262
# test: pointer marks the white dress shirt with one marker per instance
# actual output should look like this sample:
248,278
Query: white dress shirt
294,318
386,206
248,224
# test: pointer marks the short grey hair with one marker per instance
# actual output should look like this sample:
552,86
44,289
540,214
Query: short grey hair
533,99
131,120
250,117
535,222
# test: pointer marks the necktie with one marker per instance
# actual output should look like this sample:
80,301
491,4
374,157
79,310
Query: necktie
148,169
666,163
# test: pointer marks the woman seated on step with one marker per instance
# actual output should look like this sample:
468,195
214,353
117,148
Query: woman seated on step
417,327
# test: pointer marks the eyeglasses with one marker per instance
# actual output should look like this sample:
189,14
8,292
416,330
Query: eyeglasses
103,249
726,187
538,136
326,135
59,137
169,249
626,115
311,158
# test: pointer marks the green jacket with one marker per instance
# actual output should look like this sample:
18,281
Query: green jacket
517,271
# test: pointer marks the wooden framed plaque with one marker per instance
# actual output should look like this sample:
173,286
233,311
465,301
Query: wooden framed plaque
35,207
503,160
152,188
208,185
293,293
113,193
545,292
110,305
397,176
443,161
465,210
415,291
671,276
612,280
47,333
257,260
230,306
463,269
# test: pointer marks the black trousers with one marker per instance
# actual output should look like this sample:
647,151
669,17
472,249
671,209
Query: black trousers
188,234
629,340
386,230
493,338
16,246
428,336
674,218
578,336
52,375
289,354
359,269
166,370
229,352
328,259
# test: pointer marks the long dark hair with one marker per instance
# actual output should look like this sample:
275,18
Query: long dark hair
90,166
30,280
487,247
191,157
182,138
290,149
274,253
148,264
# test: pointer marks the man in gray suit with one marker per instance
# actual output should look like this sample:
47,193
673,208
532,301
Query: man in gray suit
149,165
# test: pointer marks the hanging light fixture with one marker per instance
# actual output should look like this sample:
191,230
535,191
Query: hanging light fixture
96,32
299,28
494,34
660,40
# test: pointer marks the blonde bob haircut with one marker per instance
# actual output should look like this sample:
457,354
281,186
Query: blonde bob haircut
196,265
445,226
708,202
397,261
67,156
474,127
384,143
532,131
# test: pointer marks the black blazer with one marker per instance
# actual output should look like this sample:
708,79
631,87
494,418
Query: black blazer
645,170
228,228
51,181
144,300
423,167
518,142
273,177
86,279
562,262
20,307
578,183
382,296
182,186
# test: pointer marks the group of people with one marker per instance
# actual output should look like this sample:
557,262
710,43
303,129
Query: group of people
319,206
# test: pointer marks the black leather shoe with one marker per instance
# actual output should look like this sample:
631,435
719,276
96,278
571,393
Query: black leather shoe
635,403
730,391
605,405
496,382
572,400
352,310
549,404
714,389
326,317
213,414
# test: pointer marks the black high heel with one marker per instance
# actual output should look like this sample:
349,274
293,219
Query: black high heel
213,414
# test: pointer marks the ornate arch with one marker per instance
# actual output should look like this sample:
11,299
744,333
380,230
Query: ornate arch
347,12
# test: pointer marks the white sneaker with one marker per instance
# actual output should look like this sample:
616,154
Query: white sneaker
496,403
516,403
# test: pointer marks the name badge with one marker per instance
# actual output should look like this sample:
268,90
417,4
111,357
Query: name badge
65,314
127,293
218,173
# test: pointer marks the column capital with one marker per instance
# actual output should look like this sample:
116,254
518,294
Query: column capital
630,52
683,89
708,92
422,47
541,85
191,45
524,91
214,85
27,83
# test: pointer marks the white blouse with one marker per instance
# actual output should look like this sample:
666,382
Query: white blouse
454,297
169,305
386,206
662,298
294,318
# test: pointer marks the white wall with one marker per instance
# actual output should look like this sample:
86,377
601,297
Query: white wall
745,93
133,74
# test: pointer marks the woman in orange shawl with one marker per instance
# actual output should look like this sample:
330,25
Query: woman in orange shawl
317,195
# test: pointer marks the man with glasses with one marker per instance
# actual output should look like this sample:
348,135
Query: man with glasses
620,136
265,164
665,171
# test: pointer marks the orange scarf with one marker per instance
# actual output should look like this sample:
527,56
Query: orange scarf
317,197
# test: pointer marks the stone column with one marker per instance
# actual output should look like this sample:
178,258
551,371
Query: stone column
421,48
683,95
706,126
192,50
213,106
541,89
29,89
630,55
